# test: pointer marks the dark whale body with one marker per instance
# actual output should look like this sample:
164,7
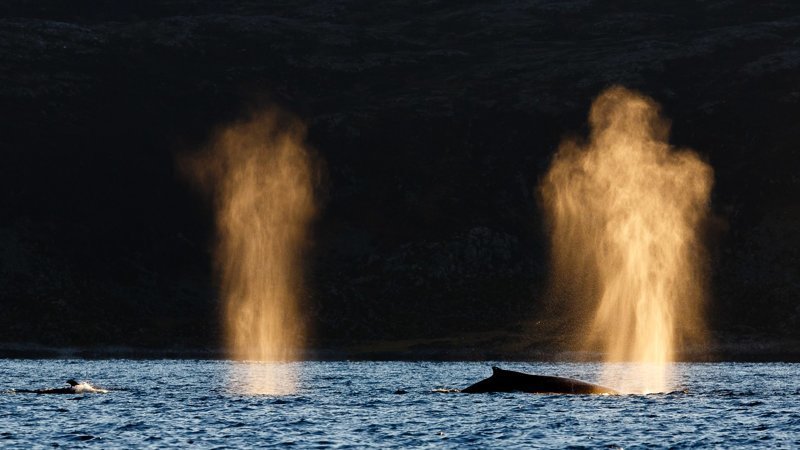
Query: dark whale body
73,388
510,381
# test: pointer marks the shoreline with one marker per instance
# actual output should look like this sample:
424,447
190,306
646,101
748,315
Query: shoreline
772,351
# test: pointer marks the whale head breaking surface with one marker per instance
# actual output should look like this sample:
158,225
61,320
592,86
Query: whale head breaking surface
74,387
86,388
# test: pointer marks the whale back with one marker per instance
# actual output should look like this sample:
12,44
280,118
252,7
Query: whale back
511,381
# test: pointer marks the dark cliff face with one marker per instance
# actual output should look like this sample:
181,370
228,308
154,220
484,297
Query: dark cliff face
434,122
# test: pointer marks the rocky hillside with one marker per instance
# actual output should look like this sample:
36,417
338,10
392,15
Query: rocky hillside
434,123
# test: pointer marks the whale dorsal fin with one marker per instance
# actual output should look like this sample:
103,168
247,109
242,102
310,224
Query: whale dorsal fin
72,382
496,370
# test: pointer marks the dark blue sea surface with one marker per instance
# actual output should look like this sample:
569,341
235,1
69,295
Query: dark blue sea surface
178,403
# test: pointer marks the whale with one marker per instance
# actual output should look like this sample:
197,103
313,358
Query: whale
511,381
74,387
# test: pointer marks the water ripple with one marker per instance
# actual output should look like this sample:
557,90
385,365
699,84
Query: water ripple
354,405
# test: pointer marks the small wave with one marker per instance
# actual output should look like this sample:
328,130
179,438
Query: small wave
752,403
445,391
119,389
730,393
133,426
678,392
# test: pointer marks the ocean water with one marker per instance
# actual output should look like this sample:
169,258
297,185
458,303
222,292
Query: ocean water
205,404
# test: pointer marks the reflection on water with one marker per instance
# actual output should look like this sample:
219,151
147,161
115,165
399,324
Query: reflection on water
640,378
262,378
